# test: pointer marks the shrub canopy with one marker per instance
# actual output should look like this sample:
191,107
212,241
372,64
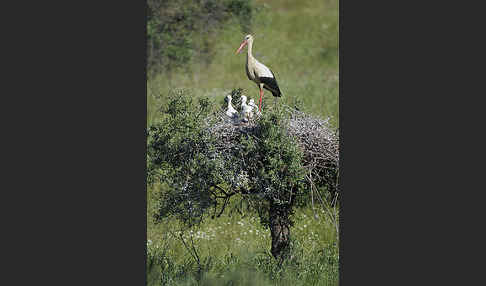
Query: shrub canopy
204,159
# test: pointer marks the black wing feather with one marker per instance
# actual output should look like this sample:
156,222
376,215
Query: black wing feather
270,83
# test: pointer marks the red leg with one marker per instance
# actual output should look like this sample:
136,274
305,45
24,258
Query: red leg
261,97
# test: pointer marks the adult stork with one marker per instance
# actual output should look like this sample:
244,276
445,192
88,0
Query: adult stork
258,72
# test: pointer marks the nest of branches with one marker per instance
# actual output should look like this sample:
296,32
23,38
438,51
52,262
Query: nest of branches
316,138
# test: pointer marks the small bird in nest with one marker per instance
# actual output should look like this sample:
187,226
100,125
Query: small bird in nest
246,110
231,112
254,106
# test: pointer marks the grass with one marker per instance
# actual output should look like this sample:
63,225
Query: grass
234,250
298,40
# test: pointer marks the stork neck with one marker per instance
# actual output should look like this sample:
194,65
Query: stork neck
250,46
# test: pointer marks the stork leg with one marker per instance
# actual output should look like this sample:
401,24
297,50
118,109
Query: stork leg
261,97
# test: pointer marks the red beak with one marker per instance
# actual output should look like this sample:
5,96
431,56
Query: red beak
241,47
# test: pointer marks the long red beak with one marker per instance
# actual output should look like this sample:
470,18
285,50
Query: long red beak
241,47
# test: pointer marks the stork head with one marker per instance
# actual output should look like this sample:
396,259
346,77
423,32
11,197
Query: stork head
248,39
243,99
228,98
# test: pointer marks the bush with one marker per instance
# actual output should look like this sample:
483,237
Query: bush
178,29
205,160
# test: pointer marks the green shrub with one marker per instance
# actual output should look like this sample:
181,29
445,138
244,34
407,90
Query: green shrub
179,29
264,167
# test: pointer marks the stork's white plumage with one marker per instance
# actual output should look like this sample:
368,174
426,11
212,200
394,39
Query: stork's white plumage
245,109
258,72
231,112
253,106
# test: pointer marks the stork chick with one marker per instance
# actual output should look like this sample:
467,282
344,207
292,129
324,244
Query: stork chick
253,105
246,110
258,72
231,112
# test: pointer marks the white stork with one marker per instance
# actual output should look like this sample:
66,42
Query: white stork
245,109
231,112
253,105
258,72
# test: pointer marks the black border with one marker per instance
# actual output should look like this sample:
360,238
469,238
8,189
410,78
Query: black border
399,103
80,145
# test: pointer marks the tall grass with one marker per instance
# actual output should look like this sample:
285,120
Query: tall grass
235,249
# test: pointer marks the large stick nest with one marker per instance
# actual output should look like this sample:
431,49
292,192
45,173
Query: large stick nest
316,138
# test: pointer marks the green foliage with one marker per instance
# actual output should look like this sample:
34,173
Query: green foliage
243,9
179,29
181,154
274,160
274,164
236,94
178,156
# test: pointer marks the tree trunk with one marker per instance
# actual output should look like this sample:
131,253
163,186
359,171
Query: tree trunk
280,230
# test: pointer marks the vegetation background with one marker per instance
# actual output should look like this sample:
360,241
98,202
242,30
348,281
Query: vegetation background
191,46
